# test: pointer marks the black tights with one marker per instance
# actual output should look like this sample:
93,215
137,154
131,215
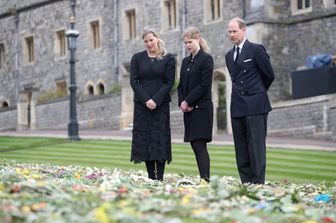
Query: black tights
202,157
155,169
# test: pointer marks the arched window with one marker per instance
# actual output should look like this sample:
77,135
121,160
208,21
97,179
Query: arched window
90,90
100,89
4,104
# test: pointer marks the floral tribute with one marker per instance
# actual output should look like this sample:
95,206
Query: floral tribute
50,193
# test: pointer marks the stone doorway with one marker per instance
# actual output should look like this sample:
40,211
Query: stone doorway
221,94
26,111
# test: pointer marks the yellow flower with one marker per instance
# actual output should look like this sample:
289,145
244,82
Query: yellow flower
200,211
41,183
203,183
38,206
25,209
2,186
186,199
101,215
310,221
77,176
36,176
251,210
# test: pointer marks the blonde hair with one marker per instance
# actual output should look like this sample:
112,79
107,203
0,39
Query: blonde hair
161,46
194,33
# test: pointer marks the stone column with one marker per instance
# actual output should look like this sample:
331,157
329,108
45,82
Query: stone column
126,117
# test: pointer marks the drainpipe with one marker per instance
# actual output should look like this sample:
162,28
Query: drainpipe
17,72
184,17
115,59
244,8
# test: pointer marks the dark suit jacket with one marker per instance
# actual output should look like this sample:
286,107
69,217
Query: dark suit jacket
251,77
152,79
195,89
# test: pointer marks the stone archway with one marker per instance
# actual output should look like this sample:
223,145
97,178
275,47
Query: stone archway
221,94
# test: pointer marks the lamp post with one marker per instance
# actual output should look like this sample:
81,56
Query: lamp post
72,35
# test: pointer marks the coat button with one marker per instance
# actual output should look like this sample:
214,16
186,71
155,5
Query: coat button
188,69
233,83
242,92
241,82
244,71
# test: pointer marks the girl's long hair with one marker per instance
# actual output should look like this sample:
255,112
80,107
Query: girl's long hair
194,33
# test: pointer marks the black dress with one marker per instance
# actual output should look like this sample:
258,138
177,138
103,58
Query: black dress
151,79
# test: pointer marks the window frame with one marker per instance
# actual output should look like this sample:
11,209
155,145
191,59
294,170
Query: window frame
29,50
130,24
2,55
95,33
60,45
169,14
329,3
212,11
305,9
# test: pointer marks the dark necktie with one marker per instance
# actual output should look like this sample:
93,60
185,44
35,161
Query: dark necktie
237,55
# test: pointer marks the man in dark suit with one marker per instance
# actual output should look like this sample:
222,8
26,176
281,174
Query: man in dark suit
251,74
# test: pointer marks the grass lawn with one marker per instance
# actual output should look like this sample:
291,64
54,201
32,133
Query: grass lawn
299,166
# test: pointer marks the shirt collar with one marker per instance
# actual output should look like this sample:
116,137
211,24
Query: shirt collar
241,44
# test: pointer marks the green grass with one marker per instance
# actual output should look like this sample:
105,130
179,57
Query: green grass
300,166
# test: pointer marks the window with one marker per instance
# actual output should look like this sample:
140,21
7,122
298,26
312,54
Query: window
100,89
30,56
90,90
212,10
60,44
2,55
131,24
329,3
301,6
257,3
169,14
95,34
4,104
61,88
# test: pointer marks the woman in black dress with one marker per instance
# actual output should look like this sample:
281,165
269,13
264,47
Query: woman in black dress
152,77
194,92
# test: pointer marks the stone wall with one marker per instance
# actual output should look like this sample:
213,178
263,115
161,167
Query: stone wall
91,113
8,117
310,117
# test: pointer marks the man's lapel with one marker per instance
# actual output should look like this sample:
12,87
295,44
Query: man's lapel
243,52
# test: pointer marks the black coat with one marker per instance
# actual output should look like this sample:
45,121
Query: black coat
152,79
251,76
195,88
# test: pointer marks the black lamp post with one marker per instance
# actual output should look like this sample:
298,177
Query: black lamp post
72,35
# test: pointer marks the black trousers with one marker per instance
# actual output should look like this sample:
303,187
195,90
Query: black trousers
155,169
202,158
249,135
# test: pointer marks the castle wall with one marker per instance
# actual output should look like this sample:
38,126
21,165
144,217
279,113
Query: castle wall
289,39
